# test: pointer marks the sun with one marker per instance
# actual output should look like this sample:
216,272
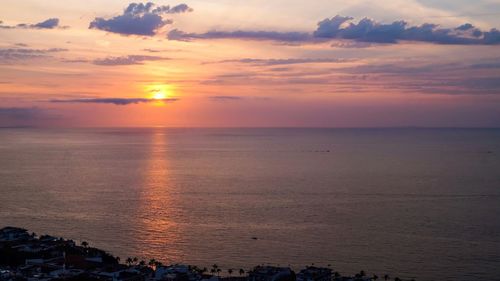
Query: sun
160,95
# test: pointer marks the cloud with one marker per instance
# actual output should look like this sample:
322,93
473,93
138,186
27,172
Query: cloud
126,60
46,24
242,35
115,101
15,54
363,32
139,19
368,30
225,98
27,116
19,113
286,61
449,78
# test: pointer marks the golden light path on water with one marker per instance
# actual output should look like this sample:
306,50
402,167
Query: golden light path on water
157,205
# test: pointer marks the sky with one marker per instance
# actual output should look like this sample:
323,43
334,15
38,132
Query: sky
250,63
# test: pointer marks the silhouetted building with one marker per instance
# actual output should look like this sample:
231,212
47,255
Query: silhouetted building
176,273
271,273
13,234
312,273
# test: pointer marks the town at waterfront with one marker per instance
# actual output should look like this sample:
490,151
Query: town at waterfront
27,256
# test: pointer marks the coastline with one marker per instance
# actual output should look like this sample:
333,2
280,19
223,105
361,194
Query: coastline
27,256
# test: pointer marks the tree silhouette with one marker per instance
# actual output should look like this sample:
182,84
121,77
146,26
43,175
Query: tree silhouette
230,272
242,271
215,269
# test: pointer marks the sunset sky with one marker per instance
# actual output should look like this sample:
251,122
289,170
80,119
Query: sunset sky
241,63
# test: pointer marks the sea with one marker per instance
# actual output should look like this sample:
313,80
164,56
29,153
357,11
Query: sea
408,202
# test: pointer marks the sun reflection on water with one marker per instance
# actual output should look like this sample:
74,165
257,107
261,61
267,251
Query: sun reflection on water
159,229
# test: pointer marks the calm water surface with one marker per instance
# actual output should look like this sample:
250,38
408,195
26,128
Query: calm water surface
414,203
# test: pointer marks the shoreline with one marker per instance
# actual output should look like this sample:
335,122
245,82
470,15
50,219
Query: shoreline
27,256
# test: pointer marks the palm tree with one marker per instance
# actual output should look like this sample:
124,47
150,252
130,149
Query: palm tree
386,277
212,271
242,271
129,261
142,263
204,270
362,273
375,277
215,268
230,271
218,271
135,260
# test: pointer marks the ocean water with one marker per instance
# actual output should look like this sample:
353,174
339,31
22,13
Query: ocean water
413,203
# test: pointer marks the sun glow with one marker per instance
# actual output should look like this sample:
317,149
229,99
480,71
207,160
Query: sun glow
160,95
159,92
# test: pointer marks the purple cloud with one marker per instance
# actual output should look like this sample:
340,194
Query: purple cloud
368,30
285,61
365,31
115,101
240,34
16,54
126,60
46,24
139,19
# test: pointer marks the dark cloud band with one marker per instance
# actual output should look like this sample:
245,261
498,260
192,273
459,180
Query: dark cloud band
366,31
115,101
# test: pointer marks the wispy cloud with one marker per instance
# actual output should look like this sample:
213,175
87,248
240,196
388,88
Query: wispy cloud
285,61
127,60
115,101
46,24
28,116
139,19
16,54
19,113
225,98
242,35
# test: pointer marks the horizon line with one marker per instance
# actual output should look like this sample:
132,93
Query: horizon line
247,127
